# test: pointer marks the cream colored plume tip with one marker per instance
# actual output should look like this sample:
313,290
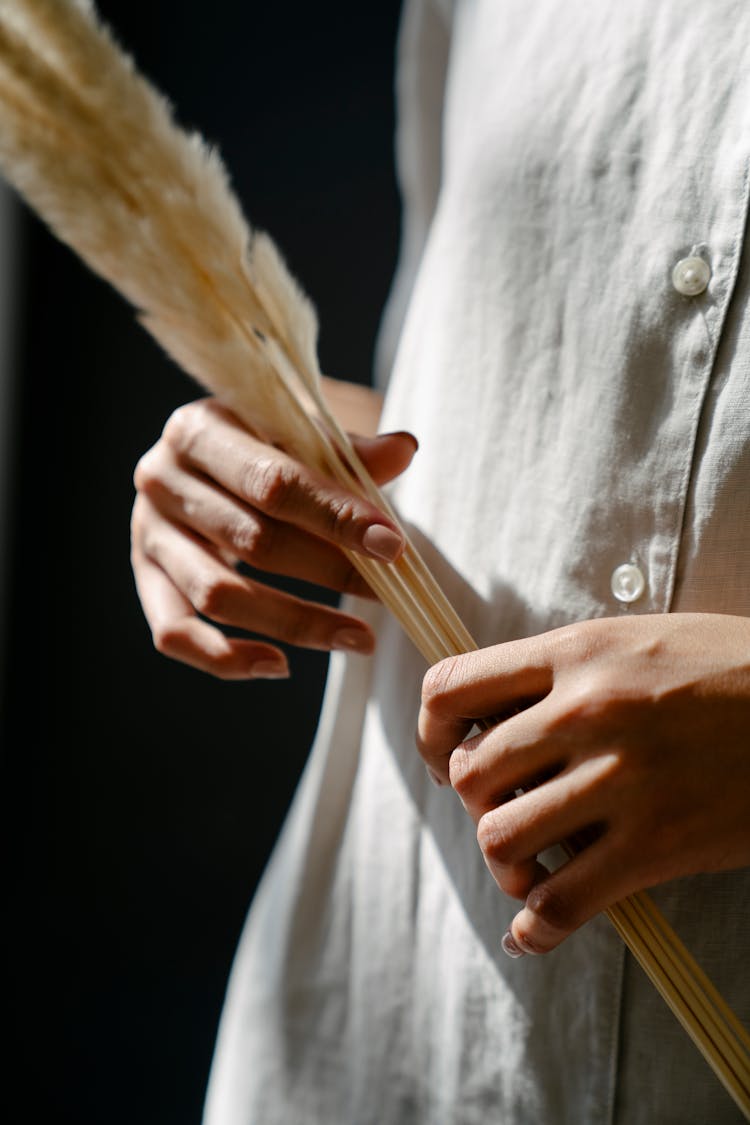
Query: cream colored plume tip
96,152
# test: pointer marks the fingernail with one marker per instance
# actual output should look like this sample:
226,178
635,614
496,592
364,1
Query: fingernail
352,640
435,777
510,947
382,543
270,669
404,434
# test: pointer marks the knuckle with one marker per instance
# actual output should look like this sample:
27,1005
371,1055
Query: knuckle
146,471
463,772
496,838
598,687
439,683
341,516
551,907
212,595
575,645
271,484
594,699
144,540
182,427
578,638
253,540
168,639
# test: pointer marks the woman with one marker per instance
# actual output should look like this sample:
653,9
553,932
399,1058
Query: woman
575,362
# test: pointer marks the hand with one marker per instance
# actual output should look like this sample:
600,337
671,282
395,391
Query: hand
633,732
211,495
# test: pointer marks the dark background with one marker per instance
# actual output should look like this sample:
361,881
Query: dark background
141,798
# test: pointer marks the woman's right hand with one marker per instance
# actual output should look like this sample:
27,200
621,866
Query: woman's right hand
211,495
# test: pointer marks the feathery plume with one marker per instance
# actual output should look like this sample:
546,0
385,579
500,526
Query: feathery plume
94,149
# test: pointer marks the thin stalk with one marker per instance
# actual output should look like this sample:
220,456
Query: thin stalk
707,1019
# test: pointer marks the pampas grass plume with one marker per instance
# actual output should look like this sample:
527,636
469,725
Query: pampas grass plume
95,150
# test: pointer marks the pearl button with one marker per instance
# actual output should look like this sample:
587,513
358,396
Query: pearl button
628,582
691,276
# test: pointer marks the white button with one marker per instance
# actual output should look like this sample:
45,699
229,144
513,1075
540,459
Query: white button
691,276
628,583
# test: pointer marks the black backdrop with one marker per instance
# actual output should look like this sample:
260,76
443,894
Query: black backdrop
141,799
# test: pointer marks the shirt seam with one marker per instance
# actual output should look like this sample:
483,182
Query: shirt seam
737,249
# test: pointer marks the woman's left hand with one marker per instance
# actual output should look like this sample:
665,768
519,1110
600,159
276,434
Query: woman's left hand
630,733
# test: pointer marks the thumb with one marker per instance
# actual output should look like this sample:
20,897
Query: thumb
387,455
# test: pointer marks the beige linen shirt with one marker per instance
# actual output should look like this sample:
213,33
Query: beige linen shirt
578,412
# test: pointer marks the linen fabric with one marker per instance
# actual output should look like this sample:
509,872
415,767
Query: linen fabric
576,412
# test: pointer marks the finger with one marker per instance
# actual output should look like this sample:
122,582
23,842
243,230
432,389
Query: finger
517,753
248,535
512,836
180,635
387,455
219,593
518,879
555,811
461,690
277,485
562,901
